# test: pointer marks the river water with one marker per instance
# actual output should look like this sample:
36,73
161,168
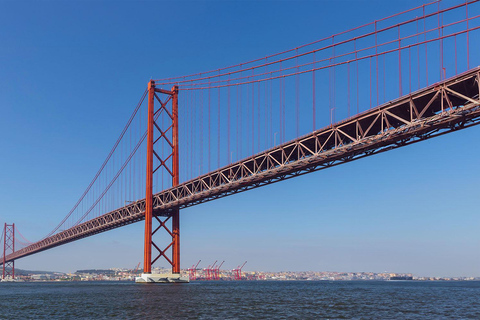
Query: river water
241,300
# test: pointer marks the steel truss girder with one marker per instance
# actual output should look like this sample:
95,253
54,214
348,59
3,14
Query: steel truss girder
441,108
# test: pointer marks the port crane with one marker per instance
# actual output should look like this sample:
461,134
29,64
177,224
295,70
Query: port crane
136,268
238,272
193,271
210,270
216,272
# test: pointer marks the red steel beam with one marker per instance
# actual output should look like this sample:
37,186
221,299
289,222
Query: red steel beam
147,256
175,182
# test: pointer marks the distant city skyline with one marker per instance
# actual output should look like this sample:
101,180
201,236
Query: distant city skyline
73,71
208,274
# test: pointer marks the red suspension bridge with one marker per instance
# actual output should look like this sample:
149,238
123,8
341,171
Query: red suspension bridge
380,86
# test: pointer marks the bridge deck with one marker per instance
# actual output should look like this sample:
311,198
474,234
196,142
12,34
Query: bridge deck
444,107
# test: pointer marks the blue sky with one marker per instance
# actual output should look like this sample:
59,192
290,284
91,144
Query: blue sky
71,73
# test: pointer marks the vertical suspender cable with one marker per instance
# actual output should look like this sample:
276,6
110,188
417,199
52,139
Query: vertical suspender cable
282,138
333,93
239,124
280,111
253,114
270,115
267,138
418,60
297,102
456,64
370,81
409,71
209,128
376,57
218,130
201,133
399,63
426,50
330,88
356,62
258,116
384,77
228,122
468,38
236,128
348,90
313,94
192,150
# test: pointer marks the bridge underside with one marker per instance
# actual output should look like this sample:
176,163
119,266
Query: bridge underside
436,110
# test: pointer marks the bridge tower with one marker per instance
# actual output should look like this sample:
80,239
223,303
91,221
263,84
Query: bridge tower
156,134
8,248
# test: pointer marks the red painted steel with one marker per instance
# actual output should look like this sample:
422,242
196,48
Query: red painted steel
25,241
227,81
8,248
174,232
210,271
175,182
216,273
136,268
444,107
112,151
241,69
409,119
238,272
193,271
147,257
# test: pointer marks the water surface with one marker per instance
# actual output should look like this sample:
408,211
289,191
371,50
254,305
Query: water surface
242,300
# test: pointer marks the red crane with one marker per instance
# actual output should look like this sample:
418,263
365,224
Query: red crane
211,270
193,271
216,273
238,272
136,269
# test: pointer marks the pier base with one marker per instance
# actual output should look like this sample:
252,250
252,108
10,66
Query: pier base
161,278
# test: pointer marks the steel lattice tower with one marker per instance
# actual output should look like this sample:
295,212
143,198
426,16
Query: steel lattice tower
8,248
170,163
